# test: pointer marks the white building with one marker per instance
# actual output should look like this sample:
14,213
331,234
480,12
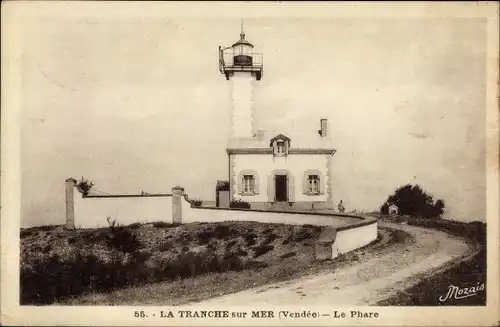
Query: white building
271,168
393,210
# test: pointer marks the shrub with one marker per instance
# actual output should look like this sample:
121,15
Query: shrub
231,244
270,238
205,236
135,225
250,238
255,264
239,204
46,227
212,246
84,186
166,246
240,252
121,238
26,232
288,254
163,224
413,200
301,235
224,232
52,278
231,263
287,240
261,249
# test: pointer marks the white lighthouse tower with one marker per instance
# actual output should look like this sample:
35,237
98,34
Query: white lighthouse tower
242,67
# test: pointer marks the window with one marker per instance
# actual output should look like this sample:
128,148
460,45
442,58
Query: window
313,184
248,184
280,145
280,148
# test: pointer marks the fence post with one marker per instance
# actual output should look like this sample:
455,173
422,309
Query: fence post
70,203
177,192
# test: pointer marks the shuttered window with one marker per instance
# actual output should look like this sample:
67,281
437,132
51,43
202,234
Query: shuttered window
280,148
313,182
248,182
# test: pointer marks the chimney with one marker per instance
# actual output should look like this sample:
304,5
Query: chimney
323,132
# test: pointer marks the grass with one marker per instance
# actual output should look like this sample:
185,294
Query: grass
290,265
468,273
170,264
295,264
57,265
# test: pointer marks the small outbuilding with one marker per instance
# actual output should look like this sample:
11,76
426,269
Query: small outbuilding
393,210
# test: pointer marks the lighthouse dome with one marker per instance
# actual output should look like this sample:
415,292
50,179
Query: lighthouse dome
242,42
242,52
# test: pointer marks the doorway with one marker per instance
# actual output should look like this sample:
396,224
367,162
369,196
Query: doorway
281,188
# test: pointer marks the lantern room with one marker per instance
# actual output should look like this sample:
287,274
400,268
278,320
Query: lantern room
240,57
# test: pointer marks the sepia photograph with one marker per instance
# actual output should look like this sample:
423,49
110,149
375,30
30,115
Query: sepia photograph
259,166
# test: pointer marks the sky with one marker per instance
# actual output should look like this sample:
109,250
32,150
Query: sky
139,104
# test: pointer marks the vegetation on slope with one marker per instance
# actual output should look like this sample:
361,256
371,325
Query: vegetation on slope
57,264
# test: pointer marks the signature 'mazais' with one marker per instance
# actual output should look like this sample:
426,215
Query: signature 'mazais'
455,292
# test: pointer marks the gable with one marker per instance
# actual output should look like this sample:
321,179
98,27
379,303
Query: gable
279,137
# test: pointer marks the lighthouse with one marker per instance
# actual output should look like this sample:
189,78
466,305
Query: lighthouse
242,67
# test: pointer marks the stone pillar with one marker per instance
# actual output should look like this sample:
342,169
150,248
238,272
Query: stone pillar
177,193
70,203
326,248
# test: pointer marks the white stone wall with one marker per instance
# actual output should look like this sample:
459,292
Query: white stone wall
265,164
346,240
92,212
190,215
354,238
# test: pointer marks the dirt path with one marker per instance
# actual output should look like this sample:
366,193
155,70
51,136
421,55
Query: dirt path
364,283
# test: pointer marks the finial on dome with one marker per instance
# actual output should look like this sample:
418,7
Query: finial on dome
242,34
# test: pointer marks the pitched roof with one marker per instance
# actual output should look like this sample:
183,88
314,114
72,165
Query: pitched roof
299,140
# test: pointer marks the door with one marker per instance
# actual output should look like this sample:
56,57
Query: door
281,188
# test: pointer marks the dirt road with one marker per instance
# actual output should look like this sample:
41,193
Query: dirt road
363,283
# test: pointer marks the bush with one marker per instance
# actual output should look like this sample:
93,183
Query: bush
121,238
270,238
212,245
205,236
135,225
413,200
240,252
84,186
287,240
26,232
231,243
224,232
288,254
250,238
261,249
239,204
166,246
52,279
302,235
255,265
163,224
